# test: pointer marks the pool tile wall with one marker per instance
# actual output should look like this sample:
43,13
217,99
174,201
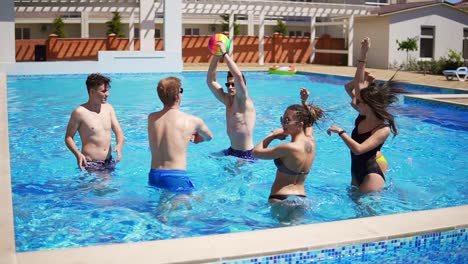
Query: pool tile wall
440,247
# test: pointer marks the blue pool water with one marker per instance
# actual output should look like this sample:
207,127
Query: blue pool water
58,206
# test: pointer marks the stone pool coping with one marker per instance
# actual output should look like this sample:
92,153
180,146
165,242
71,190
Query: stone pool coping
451,99
224,247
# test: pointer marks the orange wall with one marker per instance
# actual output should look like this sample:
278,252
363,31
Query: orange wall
74,49
25,48
277,49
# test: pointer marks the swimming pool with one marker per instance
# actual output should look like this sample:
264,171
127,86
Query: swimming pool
48,200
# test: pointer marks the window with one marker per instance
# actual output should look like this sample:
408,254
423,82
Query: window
22,33
296,33
136,33
192,31
426,42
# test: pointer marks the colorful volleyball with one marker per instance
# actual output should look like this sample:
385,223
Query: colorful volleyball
215,48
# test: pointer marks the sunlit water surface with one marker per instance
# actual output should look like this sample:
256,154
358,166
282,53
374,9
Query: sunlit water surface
58,206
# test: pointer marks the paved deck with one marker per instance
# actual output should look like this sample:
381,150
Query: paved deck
402,76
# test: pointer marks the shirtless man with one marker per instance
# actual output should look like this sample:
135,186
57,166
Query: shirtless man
240,110
94,120
169,132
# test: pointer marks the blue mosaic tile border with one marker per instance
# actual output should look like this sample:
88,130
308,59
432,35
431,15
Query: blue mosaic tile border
440,247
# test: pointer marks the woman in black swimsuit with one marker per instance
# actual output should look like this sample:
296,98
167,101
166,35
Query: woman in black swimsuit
293,159
372,126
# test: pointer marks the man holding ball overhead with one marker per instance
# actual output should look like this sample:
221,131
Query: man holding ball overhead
240,110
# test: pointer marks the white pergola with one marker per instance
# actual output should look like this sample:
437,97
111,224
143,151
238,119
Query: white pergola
172,10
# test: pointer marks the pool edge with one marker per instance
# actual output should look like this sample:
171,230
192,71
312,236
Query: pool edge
7,241
224,247
440,98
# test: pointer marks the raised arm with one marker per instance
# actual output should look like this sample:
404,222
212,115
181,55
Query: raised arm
212,81
241,88
304,97
349,87
359,77
261,150
119,135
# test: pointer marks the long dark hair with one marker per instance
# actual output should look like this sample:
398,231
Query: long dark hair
309,114
379,97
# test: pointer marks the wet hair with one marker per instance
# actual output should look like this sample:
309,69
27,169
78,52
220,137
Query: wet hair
307,113
229,75
379,97
168,89
95,80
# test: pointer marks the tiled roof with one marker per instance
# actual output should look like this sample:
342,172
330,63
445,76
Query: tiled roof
461,3
383,10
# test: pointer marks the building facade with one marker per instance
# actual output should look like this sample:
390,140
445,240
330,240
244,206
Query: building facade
438,26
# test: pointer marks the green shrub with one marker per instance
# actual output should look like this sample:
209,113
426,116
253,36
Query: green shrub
58,26
115,25
225,24
410,44
280,27
412,65
453,61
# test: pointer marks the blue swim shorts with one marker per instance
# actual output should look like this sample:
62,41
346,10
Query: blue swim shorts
101,165
247,154
172,180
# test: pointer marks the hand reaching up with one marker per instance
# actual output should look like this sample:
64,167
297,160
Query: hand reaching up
365,45
304,95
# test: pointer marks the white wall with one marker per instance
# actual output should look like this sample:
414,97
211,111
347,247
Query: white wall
377,28
7,32
448,23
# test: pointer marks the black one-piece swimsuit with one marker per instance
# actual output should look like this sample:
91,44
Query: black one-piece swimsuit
365,163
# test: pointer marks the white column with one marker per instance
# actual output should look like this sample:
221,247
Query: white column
261,39
231,26
344,30
172,26
84,24
312,39
250,24
231,33
350,40
147,16
7,32
131,30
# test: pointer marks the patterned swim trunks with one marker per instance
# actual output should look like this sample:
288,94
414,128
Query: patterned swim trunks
246,155
100,165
